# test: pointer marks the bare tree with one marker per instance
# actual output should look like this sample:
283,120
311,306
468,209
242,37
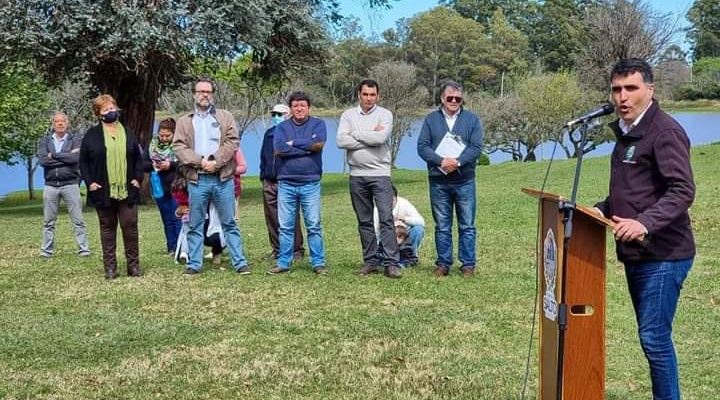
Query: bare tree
74,99
247,102
620,29
401,94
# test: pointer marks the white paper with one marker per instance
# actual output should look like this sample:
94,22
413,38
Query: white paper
451,146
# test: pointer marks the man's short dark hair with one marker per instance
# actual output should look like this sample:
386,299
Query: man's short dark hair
628,66
371,83
450,84
204,79
298,96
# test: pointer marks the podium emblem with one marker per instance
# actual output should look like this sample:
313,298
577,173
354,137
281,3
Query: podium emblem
550,305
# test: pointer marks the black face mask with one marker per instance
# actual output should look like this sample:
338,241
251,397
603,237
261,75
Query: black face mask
110,117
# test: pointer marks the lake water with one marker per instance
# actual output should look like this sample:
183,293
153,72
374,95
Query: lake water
702,128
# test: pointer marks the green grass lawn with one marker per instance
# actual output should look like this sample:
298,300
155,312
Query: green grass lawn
68,333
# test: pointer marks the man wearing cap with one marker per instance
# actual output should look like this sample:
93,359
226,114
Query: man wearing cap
268,177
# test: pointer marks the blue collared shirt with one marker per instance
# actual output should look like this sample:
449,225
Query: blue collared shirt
207,133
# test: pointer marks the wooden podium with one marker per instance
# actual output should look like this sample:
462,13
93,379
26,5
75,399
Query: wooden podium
583,361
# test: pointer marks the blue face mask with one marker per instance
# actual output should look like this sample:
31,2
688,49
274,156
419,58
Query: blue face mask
110,117
277,119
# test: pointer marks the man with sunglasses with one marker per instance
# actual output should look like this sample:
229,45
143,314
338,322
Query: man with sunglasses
452,178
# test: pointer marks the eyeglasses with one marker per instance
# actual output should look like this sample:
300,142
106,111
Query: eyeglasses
453,99
203,92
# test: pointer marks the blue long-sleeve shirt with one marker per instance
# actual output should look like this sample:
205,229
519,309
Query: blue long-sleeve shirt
434,128
298,163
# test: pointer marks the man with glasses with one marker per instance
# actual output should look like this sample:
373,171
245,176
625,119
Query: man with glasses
364,132
205,143
450,142
268,176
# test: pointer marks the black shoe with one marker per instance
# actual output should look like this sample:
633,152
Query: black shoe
190,271
244,270
277,271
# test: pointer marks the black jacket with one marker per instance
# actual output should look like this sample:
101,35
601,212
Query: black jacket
651,180
93,166
267,157
61,168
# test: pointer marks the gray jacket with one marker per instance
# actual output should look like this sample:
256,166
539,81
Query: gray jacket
63,167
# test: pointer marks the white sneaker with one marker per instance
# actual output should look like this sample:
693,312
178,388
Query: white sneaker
183,258
208,256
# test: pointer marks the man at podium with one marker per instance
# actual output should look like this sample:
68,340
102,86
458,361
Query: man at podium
651,189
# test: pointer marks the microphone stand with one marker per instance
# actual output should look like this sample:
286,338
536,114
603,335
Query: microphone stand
568,210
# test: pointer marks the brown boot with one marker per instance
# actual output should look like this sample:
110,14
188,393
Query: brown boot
392,271
134,271
110,272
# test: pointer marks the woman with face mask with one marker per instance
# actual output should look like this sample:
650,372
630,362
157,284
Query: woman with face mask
160,159
111,166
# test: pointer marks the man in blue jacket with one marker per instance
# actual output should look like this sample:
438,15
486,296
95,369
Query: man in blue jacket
452,176
59,154
268,176
298,145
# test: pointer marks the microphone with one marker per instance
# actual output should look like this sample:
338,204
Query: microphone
605,109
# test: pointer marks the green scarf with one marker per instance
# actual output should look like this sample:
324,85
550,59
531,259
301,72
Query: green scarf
162,150
116,159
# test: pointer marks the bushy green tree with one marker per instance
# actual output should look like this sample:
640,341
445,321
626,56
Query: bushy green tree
704,34
136,49
24,116
558,34
445,45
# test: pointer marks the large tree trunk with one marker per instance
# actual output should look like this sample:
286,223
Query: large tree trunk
136,96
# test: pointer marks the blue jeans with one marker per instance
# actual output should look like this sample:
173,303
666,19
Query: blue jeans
655,288
171,222
290,198
209,188
443,198
416,233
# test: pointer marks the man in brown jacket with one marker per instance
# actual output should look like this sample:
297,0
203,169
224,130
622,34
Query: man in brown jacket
205,143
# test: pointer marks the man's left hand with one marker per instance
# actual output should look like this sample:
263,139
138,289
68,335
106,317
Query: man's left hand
627,229
135,183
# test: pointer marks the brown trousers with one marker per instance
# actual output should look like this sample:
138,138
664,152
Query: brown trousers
127,216
270,206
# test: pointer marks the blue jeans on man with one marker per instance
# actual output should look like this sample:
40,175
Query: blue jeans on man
209,188
460,196
655,289
171,223
292,198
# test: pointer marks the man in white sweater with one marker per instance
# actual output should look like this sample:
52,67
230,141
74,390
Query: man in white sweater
406,215
364,132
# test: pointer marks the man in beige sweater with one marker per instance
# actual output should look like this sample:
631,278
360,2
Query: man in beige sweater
364,132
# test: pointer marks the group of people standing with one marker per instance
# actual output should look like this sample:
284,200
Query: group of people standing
651,189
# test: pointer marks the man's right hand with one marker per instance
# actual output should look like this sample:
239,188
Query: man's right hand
94,186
